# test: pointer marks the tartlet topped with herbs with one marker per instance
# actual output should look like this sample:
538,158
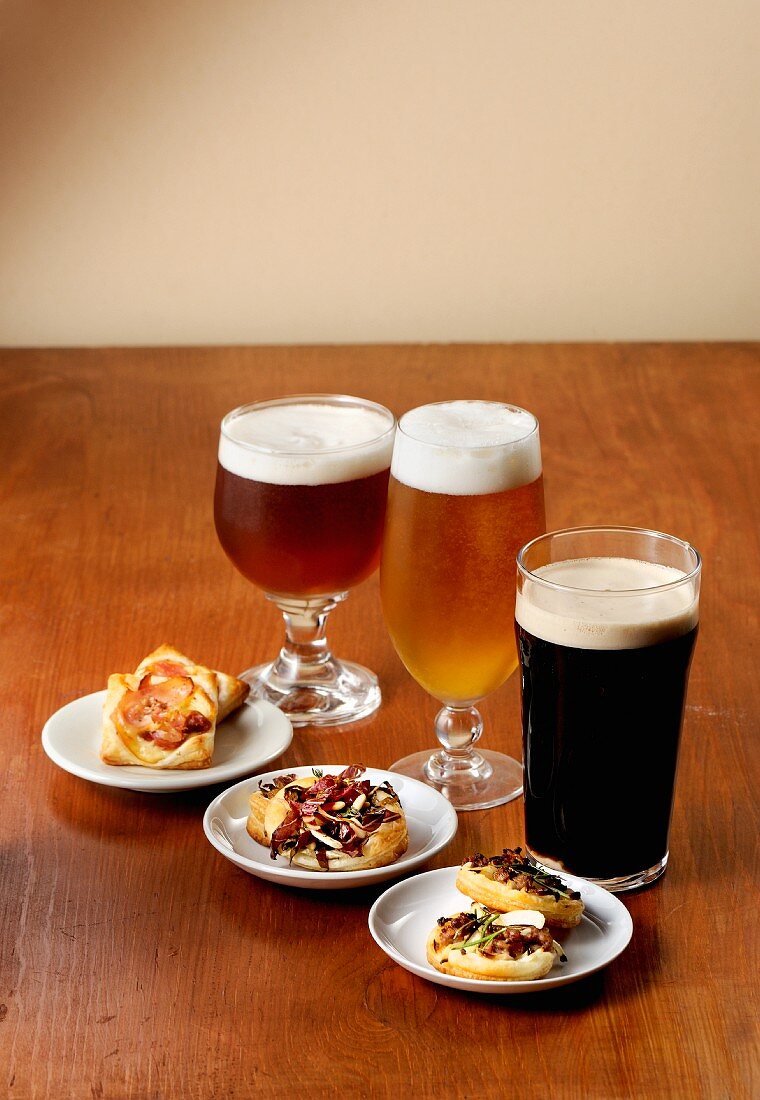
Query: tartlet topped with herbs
325,822
484,943
514,881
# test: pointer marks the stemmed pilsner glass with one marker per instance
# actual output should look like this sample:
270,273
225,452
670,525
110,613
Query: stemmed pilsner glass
465,492
299,508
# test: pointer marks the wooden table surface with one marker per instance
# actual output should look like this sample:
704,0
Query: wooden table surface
136,961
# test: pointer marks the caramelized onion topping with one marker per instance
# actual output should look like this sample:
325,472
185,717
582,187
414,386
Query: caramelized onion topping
337,813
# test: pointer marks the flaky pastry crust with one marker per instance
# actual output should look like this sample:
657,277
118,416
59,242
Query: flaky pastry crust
481,886
121,743
231,692
450,960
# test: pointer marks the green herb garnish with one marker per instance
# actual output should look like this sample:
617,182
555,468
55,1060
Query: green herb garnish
554,885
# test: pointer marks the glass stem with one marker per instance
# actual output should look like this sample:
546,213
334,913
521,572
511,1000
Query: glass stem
458,728
306,649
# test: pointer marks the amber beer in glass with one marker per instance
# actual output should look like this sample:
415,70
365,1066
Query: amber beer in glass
466,487
299,508
606,621
302,540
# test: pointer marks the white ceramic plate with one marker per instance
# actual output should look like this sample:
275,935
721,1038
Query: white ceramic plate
250,738
401,919
430,818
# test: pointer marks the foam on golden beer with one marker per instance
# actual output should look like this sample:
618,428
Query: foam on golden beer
607,603
467,448
306,444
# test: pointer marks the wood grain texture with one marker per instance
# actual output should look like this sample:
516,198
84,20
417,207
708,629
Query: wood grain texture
138,963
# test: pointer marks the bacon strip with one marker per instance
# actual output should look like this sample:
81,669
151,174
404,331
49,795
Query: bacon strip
167,668
152,710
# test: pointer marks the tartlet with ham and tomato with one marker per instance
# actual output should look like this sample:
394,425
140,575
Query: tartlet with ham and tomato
164,715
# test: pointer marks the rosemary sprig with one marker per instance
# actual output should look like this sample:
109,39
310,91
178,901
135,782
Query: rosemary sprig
514,862
476,925
483,939
481,923
528,866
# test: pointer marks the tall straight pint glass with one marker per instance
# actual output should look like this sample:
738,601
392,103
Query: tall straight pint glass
606,622
466,490
299,507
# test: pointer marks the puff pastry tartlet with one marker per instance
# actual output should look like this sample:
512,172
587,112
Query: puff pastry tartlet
514,881
329,822
165,714
168,661
493,947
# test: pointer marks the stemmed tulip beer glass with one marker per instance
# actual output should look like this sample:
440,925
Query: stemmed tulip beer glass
299,507
465,493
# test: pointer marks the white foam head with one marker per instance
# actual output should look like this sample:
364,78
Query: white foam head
307,442
467,448
607,603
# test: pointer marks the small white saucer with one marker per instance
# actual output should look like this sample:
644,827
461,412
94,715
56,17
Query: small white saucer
401,919
430,818
250,738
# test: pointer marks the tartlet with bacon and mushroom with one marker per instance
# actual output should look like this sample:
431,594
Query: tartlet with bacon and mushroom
492,946
329,822
514,881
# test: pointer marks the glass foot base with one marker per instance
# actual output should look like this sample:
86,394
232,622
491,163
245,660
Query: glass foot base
333,694
483,779
621,883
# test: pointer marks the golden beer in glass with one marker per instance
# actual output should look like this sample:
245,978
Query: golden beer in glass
466,491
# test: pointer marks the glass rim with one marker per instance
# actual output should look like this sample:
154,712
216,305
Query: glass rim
606,529
337,399
472,446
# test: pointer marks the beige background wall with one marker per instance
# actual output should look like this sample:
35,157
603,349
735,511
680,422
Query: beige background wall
213,171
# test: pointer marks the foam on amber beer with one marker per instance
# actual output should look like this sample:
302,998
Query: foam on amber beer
467,448
306,444
301,491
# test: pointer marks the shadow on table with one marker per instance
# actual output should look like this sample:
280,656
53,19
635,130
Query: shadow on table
625,978
126,818
110,812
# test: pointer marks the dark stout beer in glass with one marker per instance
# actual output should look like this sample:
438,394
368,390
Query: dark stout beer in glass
299,508
606,621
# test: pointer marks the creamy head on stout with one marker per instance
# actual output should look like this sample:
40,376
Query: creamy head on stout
306,444
466,448
611,603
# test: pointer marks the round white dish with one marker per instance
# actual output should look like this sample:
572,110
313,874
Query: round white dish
401,919
252,737
431,822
